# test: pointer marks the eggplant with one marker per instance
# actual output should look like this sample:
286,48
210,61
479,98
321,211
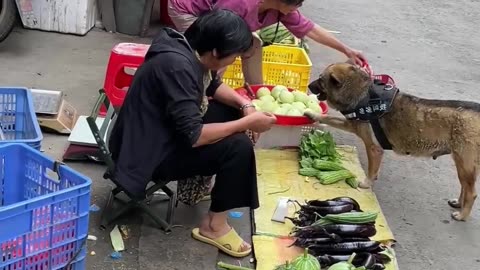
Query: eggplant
377,266
344,248
328,260
325,203
359,260
305,242
382,258
350,230
369,261
325,210
348,200
315,233
356,239
300,222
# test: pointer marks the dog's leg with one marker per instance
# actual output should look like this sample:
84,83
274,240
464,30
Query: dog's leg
374,154
335,122
467,174
457,203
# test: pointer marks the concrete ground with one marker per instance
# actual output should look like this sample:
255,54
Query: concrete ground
429,47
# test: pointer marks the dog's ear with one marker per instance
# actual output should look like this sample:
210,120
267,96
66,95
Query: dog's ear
336,79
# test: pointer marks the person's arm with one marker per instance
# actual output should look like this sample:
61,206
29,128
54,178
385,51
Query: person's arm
228,96
183,109
322,36
300,26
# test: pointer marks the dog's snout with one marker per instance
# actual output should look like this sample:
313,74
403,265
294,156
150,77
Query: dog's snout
313,86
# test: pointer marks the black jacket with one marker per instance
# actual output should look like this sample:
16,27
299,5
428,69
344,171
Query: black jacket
161,110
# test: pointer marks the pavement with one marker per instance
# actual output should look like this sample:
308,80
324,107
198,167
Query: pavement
429,47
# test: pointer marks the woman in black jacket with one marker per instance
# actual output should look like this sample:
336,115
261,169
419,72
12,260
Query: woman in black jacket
168,129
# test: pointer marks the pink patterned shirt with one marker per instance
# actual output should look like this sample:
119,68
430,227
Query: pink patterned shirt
248,10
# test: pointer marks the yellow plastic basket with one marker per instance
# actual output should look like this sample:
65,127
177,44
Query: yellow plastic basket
286,65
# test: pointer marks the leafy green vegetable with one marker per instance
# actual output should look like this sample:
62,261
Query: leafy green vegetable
318,145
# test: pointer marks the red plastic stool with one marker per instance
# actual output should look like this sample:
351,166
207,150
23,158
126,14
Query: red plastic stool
124,60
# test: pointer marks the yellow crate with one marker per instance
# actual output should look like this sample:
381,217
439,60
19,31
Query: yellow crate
286,65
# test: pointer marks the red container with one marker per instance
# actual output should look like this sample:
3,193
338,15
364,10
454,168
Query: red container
283,120
125,58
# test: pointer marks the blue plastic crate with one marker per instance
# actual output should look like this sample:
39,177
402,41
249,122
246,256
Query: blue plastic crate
44,212
18,120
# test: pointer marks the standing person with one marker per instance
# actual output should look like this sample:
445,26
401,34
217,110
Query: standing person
167,128
259,14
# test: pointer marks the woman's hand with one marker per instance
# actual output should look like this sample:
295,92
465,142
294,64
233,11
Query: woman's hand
260,122
322,36
248,111
356,56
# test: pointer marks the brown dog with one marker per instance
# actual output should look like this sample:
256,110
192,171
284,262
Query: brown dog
408,124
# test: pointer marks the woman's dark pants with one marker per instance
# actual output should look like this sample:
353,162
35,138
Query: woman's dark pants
232,160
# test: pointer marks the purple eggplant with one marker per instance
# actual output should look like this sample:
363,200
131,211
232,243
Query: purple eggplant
305,242
348,200
326,203
377,266
361,259
315,232
355,239
325,210
343,248
350,230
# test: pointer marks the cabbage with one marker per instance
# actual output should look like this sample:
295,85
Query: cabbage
314,106
294,112
267,98
269,106
299,106
300,97
277,90
263,91
286,97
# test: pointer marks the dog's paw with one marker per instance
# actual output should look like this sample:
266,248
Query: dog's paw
458,216
311,115
455,203
365,184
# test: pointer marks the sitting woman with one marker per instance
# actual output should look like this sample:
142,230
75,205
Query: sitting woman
168,129
259,14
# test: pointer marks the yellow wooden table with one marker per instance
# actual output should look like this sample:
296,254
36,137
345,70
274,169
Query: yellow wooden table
278,177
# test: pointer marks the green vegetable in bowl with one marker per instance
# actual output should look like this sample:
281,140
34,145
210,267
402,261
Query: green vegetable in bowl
277,90
286,97
294,112
263,91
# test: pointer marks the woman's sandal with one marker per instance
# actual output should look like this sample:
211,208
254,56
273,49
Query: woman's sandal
230,243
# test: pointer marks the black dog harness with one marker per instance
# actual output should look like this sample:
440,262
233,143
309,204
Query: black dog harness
374,106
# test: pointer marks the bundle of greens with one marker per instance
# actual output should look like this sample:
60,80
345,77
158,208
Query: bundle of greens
283,36
319,158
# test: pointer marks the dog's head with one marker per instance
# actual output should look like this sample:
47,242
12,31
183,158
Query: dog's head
342,85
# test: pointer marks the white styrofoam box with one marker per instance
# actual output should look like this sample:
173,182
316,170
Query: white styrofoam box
284,136
64,16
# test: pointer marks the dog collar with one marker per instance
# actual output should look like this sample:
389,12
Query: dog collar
373,107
